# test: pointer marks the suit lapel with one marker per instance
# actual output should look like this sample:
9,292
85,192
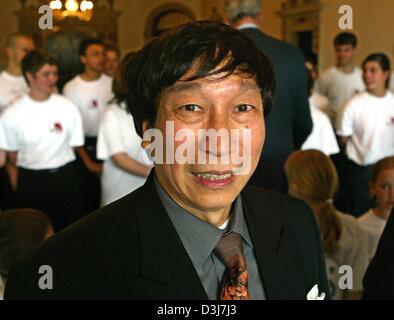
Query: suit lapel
266,232
166,271
282,259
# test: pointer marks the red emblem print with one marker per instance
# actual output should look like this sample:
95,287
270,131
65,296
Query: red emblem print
94,104
392,121
57,127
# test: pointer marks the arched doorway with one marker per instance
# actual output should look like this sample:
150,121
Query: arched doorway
167,16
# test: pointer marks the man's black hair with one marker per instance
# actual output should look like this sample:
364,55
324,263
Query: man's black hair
312,58
86,43
211,48
345,38
34,61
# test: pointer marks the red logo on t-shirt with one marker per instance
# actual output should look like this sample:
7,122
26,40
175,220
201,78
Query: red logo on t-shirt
94,104
392,121
57,127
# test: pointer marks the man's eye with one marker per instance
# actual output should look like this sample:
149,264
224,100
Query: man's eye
191,108
243,108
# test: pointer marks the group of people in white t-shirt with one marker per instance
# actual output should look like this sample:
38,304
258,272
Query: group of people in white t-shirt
48,141
353,109
360,107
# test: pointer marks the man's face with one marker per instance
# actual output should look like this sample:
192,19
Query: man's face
44,81
111,62
94,57
229,103
344,54
22,47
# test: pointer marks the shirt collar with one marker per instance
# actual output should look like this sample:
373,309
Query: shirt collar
247,25
199,237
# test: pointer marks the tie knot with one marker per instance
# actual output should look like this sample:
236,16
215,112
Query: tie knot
229,250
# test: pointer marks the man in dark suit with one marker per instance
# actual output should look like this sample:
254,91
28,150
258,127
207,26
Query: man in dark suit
193,231
379,279
290,122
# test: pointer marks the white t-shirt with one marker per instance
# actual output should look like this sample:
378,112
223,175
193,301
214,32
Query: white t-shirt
369,122
320,102
43,133
11,89
339,88
91,98
353,253
373,227
322,137
117,134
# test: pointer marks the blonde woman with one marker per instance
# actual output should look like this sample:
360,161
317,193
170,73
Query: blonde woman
312,177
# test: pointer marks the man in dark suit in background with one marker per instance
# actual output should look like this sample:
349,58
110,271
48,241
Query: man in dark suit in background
193,231
379,279
290,122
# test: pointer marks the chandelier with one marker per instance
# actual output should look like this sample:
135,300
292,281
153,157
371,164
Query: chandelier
82,10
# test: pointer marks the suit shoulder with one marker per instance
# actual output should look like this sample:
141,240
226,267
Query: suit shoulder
283,46
288,208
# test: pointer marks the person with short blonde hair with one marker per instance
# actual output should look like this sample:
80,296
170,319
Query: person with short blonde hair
12,87
12,83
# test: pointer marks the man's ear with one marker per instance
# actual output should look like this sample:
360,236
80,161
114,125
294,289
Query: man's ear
83,59
29,76
387,75
9,53
226,20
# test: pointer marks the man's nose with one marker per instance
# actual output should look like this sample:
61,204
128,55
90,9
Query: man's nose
218,135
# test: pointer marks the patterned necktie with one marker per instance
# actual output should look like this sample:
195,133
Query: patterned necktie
234,284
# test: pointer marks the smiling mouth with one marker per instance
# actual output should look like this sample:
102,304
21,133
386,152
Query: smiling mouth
213,176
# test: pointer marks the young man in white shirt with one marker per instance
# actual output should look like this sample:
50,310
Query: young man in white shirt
112,57
12,83
12,87
339,84
344,80
91,91
39,132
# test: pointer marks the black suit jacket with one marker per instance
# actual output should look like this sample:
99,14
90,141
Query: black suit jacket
379,279
289,122
131,250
